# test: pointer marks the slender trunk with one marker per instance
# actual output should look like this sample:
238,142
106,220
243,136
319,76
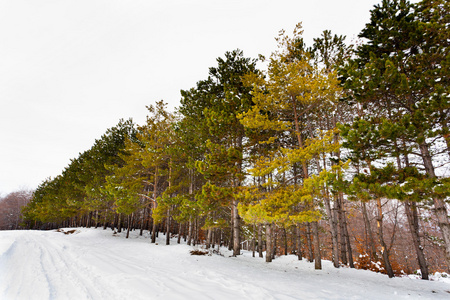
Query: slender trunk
155,191
343,241
114,222
119,223
142,221
230,242
168,227
309,244
189,239
349,246
196,230
332,220
208,238
180,227
268,242
154,231
260,241
253,240
128,226
346,237
96,219
191,193
317,255
373,250
168,210
236,230
285,241
299,242
384,249
413,221
147,218
333,229
440,209
105,223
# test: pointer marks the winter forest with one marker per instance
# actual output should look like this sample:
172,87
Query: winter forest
329,151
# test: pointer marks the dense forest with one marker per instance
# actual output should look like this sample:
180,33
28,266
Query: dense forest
333,151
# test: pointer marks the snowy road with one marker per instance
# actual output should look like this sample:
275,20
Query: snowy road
95,264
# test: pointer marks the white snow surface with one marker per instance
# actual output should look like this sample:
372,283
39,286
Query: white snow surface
97,264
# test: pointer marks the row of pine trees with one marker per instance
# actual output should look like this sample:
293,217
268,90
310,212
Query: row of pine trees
253,155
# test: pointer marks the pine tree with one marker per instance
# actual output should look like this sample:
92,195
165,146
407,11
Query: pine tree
396,79
214,105
286,98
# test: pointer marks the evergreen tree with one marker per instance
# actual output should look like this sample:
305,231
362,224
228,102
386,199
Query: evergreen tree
400,79
215,104
286,99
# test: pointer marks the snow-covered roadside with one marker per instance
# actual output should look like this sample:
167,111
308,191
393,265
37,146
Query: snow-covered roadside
95,264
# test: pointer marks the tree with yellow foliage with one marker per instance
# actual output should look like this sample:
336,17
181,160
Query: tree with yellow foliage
286,99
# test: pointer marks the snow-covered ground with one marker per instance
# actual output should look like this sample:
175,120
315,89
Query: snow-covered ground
95,264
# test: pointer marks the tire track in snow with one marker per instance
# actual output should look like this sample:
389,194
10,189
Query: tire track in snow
86,279
128,274
49,271
21,271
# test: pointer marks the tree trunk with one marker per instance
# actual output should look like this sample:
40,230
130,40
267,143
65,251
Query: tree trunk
253,240
384,249
309,244
299,242
147,218
349,246
105,223
180,227
440,209
268,243
142,221
119,223
96,219
346,237
114,222
331,221
154,231
236,230
88,219
208,238
317,255
196,232
189,239
333,230
168,227
413,221
370,240
213,237
260,241
230,241
285,241
155,194
343,241
128,226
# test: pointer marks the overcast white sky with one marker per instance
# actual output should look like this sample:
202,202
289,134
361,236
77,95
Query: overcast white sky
71,69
